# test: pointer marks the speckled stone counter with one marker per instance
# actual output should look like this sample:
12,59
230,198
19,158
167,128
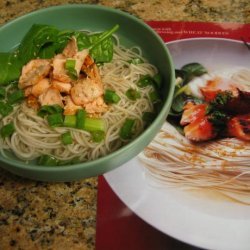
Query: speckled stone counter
36,215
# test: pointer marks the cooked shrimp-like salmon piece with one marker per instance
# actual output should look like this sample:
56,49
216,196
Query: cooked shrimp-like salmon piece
70,108
71,48
80,58
59,71
96,107
63,87
86,91
32,102
90,68
51,97
33,72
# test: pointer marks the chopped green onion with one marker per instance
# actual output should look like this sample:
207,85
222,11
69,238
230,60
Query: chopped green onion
157,80
154,96
70,67
136,61
69,121
148,117
94,124
97,136
47,160
49,109
7,130
55,120
5,109
80,118
133,94
126,130
16,96
144,81
111,97
2,93
67,138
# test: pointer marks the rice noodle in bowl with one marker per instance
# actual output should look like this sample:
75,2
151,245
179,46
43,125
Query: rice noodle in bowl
33,137
219,165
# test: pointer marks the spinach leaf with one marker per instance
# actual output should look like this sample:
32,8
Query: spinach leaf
192,70
83,41
10,67
102,52
37,37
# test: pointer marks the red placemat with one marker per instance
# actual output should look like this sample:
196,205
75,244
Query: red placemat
117,226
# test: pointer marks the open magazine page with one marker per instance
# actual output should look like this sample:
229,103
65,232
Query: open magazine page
117,226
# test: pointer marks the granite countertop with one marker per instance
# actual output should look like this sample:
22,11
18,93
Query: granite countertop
36,215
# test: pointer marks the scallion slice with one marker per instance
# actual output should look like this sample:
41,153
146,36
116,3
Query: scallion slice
111,97
7,130
67,138
126,130
69,121
94,124
49,109
47,160
144,81
97,136
70,67
133,94
55,120
80,118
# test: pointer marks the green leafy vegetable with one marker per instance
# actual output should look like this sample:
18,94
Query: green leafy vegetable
5,109
49,109
144,81
192,70
2,93
133,94
67,138
126,131
10,67
154,96
110,96
55,120
16,96
35,39
7,130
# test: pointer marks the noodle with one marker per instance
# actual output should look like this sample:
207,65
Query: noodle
33,137
220,165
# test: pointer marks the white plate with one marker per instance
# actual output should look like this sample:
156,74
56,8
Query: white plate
197,220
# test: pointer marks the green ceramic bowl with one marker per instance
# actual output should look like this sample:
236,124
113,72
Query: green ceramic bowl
132,31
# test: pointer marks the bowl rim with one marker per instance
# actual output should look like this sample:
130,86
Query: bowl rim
146,133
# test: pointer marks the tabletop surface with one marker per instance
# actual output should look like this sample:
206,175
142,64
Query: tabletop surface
36,215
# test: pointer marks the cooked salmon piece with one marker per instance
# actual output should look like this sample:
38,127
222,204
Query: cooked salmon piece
33,72
51,97
71,48
96,107
218,85
59,72
200,130
63,87
239,127
70,107
32,102
90,69
192,112
85,91
80,58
